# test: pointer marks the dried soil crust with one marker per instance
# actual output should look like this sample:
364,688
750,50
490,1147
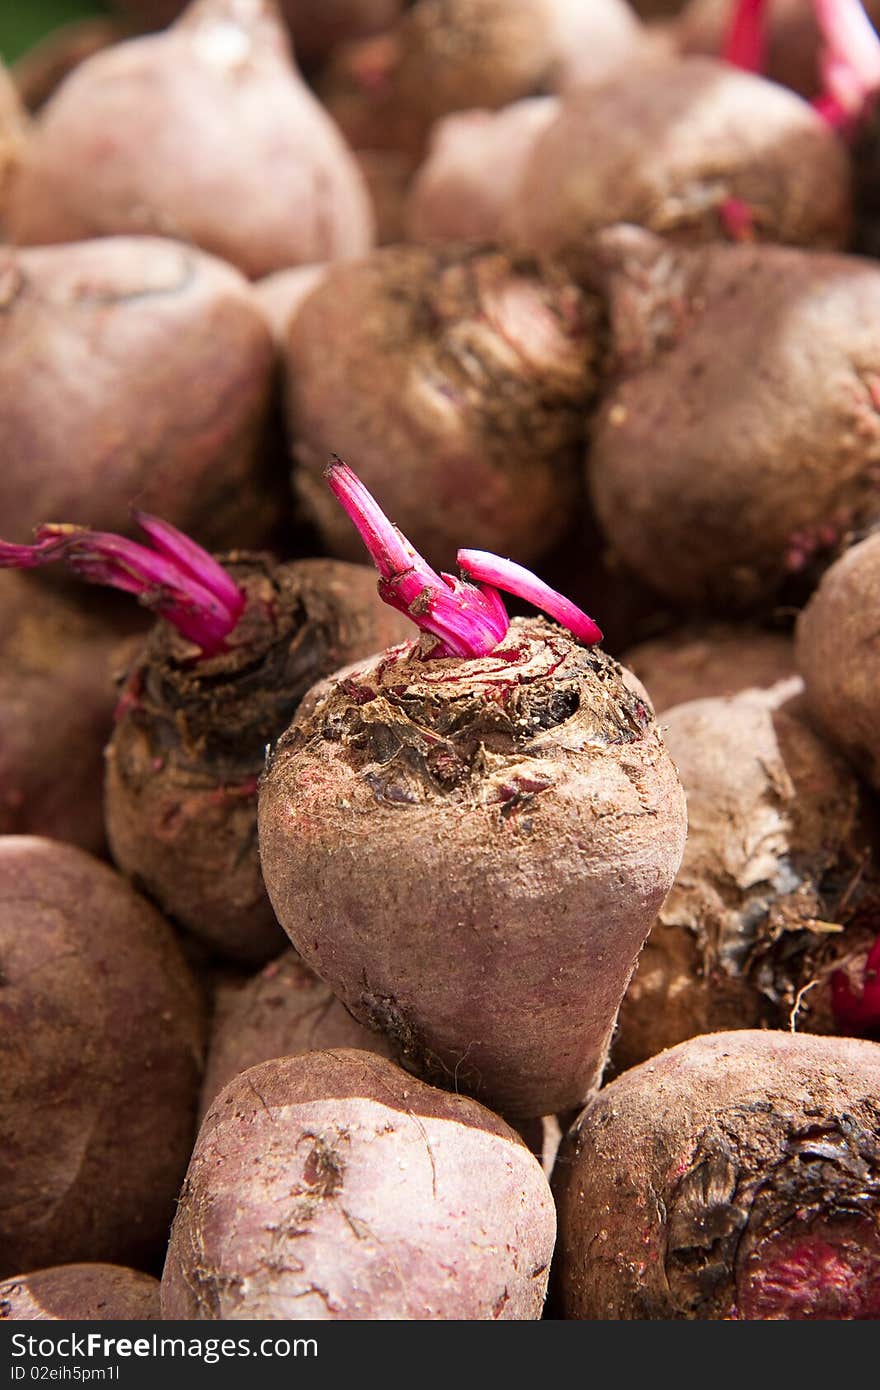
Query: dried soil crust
191,735
735,1176
471,430
523,822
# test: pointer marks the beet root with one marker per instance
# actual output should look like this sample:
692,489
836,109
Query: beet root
133,370
778,890
733,1177
190,738
334,1186
750,377
471,429
56,713
82,1293
282,1012
837,655
672,151
705,660
102,1038
532,785
205,132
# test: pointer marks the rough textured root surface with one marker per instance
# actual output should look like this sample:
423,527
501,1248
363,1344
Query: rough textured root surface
531,784
750,378
709,659
132,369
191,735
282,1012
839,657
81,1292
673,148
735,1176
375,1196
204,132
56,712
102,1038
778,887
469,434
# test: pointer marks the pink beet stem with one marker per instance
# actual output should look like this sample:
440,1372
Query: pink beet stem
745,45
850,60
469,620
167,584
514,579
192,558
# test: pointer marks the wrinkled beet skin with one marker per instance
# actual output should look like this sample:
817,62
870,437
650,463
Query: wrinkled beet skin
750,377
137,371
470,431
667,151
103,1036
282,1012
734,1177
190,740
777,890
369,1188
82,1292
471,855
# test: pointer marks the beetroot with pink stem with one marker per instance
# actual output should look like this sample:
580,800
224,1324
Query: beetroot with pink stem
849,101
468,837
211,687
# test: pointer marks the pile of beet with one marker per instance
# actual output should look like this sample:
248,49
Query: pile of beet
378,939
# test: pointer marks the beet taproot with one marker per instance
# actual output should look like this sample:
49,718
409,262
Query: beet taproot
102,1039
133,370
695,150
776,905
471,430
204,132
82,1293
734,1177
334,1186
738,442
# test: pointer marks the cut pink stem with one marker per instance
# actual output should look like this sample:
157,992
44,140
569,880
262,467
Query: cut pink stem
172,585
514,579
193,559
859,1011
737,219
745,45
850,59
467,619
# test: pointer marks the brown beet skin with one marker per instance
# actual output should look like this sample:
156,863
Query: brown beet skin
470,431
82,1293
206,132
56,711
133,371
282,1012
471,854
837,655
778,888
334,1186
734,1177
709,659
191,733
101,1033
749,376
666,147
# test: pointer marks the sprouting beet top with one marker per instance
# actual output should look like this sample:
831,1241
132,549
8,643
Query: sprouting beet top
185,585
850,62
